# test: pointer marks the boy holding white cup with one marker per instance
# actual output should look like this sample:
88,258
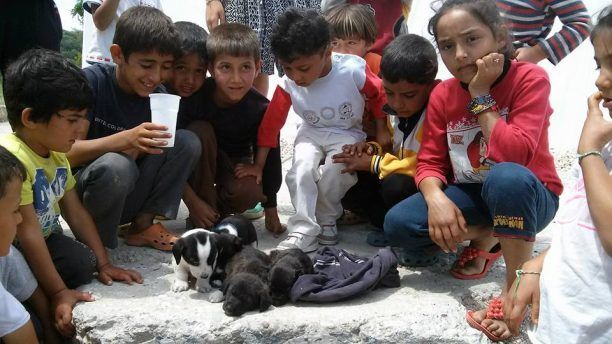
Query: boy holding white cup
124,175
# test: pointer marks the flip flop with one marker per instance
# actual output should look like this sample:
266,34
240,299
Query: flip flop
156,236
377,239
470,253
494,311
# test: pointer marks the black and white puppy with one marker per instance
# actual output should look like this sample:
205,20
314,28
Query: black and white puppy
287,266
239,226
246,288
198,252
236,225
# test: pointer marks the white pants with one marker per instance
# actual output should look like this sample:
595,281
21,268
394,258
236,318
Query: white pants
316,190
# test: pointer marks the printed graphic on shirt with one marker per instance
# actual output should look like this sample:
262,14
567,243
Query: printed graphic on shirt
468,149
46,195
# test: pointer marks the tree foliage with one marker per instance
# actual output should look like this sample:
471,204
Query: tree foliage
71,46
77,10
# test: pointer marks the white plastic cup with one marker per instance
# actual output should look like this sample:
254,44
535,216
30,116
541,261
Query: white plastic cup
164,111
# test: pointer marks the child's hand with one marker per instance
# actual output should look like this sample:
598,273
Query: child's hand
532,54
244,170
446,223
108,273
147,138
490,68
353,163
215,14
62,304
358,148
596,131
516,300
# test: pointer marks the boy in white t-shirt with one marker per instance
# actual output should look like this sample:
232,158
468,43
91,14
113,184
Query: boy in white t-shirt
327,91
105,14
569,285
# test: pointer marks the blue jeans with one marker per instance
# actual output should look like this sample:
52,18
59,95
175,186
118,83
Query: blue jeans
511,199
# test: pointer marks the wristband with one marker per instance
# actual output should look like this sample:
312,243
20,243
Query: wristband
581,156
480,104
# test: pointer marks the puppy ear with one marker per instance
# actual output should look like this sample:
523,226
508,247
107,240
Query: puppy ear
226,285
265,301
177,250
237,242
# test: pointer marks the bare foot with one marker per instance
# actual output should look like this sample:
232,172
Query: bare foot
496,327
273,224
476,265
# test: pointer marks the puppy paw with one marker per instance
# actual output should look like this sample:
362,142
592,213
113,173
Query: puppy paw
216,296
203,287
179,286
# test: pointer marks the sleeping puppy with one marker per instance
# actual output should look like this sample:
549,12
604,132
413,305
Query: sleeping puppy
287,266
245,288
239,226
198,252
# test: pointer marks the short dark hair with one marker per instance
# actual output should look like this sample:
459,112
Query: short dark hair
410,58
233,39
604,22
192,38
484,11
146,29
353,20
46,82
300,32
10,168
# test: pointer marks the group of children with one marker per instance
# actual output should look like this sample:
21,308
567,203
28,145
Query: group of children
447,161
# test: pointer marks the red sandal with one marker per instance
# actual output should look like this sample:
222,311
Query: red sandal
495,310
470,253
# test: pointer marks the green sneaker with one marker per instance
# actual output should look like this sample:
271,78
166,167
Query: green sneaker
254,213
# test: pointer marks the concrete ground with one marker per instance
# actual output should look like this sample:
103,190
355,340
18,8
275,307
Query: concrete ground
428,307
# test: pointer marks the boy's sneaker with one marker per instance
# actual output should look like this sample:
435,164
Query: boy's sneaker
329,235
306,243
254,213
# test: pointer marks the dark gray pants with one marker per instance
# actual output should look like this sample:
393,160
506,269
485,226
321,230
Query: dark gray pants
114,188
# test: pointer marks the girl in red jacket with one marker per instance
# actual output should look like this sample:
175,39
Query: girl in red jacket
495,108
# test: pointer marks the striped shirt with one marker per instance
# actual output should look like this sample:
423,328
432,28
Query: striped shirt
531,21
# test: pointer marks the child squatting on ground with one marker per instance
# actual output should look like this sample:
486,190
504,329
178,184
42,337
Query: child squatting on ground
487,128
327,90
225,112
568,286
47,98
120,146
408,70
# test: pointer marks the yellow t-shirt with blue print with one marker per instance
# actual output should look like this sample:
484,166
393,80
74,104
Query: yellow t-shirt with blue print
46,182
